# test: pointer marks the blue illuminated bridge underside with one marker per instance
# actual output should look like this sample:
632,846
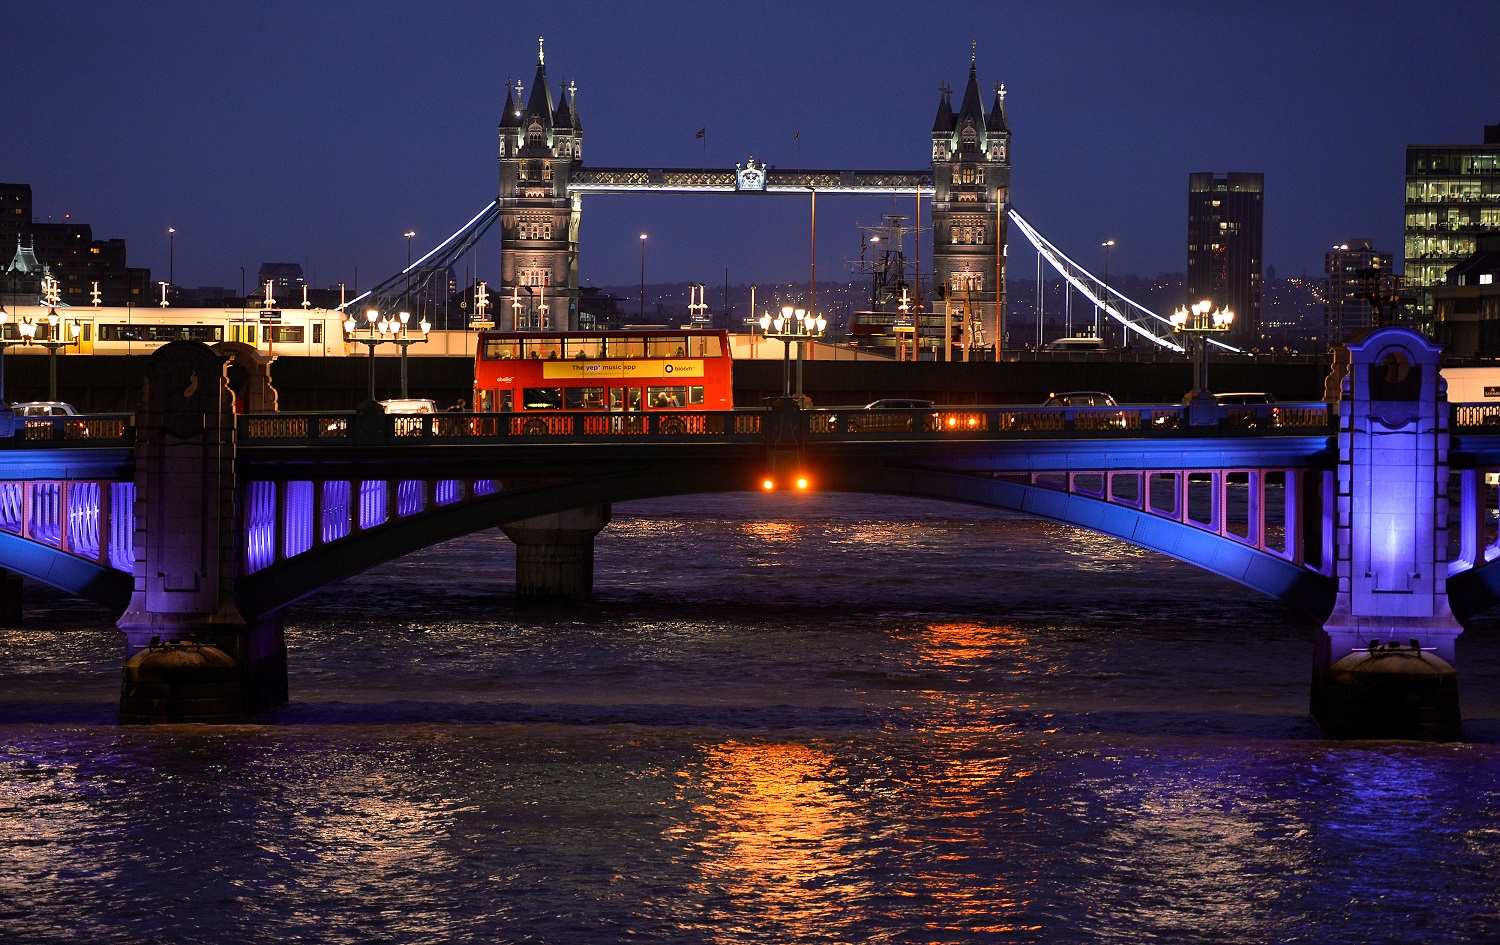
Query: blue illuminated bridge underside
67,517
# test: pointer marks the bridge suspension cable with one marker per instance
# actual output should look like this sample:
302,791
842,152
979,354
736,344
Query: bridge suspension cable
1132,315
415,278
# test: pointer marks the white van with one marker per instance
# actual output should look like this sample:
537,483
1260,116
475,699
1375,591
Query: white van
408,405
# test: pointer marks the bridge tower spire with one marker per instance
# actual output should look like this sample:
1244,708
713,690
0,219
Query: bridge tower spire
541,143
971,192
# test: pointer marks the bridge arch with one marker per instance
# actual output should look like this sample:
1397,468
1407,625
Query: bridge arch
287,581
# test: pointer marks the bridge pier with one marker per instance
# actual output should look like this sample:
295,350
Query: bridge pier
555,553
1391,540
187,543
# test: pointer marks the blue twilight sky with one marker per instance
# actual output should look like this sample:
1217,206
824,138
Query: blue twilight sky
319,132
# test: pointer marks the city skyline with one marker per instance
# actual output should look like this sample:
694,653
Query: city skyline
292,134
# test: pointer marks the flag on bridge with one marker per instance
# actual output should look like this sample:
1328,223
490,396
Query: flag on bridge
701,133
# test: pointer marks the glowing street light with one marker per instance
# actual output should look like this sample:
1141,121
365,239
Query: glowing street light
1198,323
642,314
52,341
789,325
385,329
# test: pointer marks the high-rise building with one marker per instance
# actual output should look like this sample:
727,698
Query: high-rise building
1353,270
69,252
1225,224
971,188
1452,198
1466,308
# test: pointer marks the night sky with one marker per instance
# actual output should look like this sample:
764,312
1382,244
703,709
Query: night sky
319,133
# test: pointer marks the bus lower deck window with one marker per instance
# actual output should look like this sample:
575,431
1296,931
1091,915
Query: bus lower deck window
666,396
542,398
583,398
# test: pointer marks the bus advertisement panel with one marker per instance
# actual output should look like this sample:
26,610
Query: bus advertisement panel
686,369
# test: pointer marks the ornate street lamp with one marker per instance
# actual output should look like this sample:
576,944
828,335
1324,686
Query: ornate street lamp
52,342
1198,324
792,324
7,419
385,329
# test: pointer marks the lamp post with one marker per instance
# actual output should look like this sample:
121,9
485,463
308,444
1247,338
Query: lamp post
642,314
406,304
7,419
171,255
1106,244
792,324
52,342
1198,323
385,329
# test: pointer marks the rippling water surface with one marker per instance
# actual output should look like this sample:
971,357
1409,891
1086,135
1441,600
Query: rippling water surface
833,719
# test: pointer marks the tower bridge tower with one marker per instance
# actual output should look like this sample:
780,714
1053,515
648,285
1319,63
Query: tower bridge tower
541,144
971,189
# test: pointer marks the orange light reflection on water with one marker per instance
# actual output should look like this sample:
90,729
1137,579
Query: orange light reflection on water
780,838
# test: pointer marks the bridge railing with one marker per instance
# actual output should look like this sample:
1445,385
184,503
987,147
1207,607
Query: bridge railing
1129,420
90,430
326,428
1478,417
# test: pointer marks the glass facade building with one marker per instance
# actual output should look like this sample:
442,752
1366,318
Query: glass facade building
1452,199
1350,269
1226,216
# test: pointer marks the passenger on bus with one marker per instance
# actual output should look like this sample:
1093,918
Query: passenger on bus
680,352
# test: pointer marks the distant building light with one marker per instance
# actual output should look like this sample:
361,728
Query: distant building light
1487,278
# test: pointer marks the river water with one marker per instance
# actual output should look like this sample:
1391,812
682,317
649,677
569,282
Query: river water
786,719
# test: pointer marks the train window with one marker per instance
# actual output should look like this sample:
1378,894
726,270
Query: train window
317,333
159,333
284,334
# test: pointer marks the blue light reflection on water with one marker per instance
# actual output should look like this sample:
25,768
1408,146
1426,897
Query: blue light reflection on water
833,725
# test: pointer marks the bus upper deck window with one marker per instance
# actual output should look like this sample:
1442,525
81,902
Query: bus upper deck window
627,347
668,347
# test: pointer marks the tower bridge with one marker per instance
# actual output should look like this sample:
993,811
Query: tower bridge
543,179
188,519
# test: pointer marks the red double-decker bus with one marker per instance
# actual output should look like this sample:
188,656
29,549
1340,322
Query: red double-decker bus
665,369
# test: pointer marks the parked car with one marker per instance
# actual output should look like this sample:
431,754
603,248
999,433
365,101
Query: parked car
898,403
1084,344
43,408
1244,398
1263,405
1090,420
1080,398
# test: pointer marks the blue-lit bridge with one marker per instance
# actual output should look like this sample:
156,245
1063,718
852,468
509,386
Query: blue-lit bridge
188,519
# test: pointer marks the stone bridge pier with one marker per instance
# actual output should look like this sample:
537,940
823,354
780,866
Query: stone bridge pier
1383,666
187,548
555,553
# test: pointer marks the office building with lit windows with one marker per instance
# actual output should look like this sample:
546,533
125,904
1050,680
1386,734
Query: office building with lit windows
1353,270
1452,199
1226,216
